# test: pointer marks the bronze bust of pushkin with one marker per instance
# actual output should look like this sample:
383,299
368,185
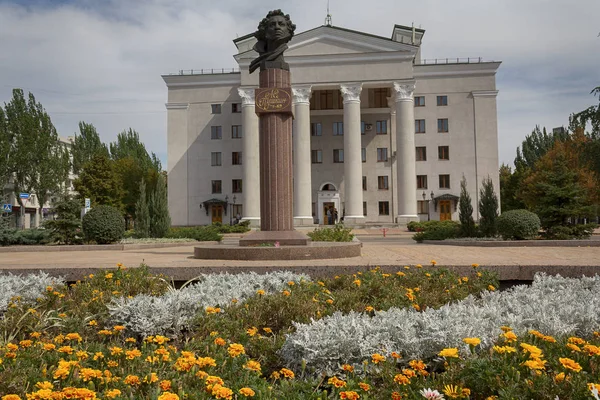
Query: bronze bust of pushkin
273,34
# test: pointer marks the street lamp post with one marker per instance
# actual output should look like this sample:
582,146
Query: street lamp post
232,205
428,208
425,198
227,207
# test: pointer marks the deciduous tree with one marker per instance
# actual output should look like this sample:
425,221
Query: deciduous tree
99,182
86,145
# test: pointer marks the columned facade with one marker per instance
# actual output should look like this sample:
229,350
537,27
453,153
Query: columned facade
353,196
405,153
251,170
302,163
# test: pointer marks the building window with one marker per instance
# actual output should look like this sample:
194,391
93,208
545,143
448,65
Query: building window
382,183
216,186
381,127
363,127
443,125
236,158
216,132
215,158
421,181
316,129
380,96
338,128
365,208
326,97
338,155
421,153
215,108
236,185
363,154
419,101
364,183
443,152
236,131
384,208
442,100
316,156
422,206
419,126
237,210
236,107
314,209
444,181
382,154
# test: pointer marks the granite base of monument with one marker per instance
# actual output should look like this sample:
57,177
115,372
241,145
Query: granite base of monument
281,238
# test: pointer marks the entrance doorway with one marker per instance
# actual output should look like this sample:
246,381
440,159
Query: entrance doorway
217,213
445,210
328,213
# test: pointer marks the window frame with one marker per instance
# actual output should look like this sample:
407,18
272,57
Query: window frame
422,182
316,129
319,154
216,159
236,158
236,186
421,153
386,208
236,108
442,100
381,127
445,125
383,182
337,125
216,184
444,151
238,131
216,132
446,179
418,127
215,108
418,103
381,151
336,156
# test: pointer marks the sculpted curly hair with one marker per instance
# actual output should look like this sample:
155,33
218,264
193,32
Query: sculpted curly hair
262,26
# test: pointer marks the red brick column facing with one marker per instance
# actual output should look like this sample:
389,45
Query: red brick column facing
275,144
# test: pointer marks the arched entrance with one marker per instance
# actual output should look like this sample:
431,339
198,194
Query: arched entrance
328,202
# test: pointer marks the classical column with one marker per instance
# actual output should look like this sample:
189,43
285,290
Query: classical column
405,153
251,170
302,162
353,195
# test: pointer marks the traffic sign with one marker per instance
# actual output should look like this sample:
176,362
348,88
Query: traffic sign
88,203
24,195
7,208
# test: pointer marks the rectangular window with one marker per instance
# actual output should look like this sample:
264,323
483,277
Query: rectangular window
216,186
326,97
422,206
443,125
421,153
236,185
364,183
363,154
338,155
382,154
442,100
382,183
215,158
314,209
384,208
216,132
363,127
419,126
365,208
419,101
316,129
215,108
236,107
381,127
443,152
236,131
444,181
236,158
316,156
421,181
338,128
237,210
380,96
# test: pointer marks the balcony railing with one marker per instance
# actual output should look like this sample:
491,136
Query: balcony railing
207,71
468,60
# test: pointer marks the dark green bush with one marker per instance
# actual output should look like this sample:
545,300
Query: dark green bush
103,225
566,232
336,234
66,228
13,237
242,227
439,230
199,233
518,225
429,225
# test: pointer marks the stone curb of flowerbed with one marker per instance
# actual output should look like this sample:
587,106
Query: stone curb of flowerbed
94,247
516,243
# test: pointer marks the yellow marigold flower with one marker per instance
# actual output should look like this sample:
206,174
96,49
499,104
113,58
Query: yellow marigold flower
291,283
66,349
25,343
576,340
510,336
287,373
369,309
87,374
104,332
474,265
222,392
168,396
427,274
364,386
213,310
400,273
118,328
451,352
165,385
44,385
395,355
505,328
592,386
465,392
113,393
236,349
401,379
559,377
12,347
570,364
348,368
433,262
591,350
534,351
131,354
491,288
112,364
82,355
349,395
247,392
115,351
213,380
396,396
357,282
202,374
35,335
260,292
549,339
573,347
465,279
329,301
151,378
286,293
220,341
109,275
452,391
472,341
11,397
132,380
267,330
321,283
93,323
98,355
337,382
416,307
504,349
377,358
535,364
130,340
275,375
252,366
204,362
409,372
61,373
252,331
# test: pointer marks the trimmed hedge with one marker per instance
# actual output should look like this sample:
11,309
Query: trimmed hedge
199,233
518,225
422,226
336,234
11,237
103,225
438,230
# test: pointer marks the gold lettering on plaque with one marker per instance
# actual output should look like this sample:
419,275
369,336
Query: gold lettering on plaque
273,100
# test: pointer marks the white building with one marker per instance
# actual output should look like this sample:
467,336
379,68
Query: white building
380,134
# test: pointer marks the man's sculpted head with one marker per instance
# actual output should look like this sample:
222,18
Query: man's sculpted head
276,28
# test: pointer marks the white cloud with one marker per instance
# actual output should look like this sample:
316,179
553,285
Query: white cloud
101,61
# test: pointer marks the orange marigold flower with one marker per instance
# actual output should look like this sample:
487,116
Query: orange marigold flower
402,379
235,350
369,309
559,377
395,355
25,343
396,396
451,352
118,328
220,341
409,373
132,380
112,393
252,366
472,341
337,382
260,292
131,354
349,395
510,336
348,368
591,350
247,392
165,385
267,330
570,364
576,340
252,331
44,385
168,396
11,397
418,365
573,347
357,282
287,373
364,386
377,358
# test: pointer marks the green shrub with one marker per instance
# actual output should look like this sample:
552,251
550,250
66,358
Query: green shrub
66,228
430,225
518,225
199,233
242,227
103,225
566,232
440,230
336,234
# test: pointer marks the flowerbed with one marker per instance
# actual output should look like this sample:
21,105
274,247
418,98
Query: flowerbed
125,334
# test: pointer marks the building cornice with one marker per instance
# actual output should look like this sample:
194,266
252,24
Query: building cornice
484,93
337,59
177,106
206,80
451,70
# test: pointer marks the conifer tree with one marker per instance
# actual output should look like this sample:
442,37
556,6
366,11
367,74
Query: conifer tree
465,211
160,220
142,213
488,208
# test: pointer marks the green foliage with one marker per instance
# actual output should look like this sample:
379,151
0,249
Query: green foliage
488,208
18,237
99,182
338,233
128,144
465,211
199,233
518,225
537,144
103,225
5,147
142,213
565,232
437,230
510,185
421,226
241,227
67,227
160,220
85,146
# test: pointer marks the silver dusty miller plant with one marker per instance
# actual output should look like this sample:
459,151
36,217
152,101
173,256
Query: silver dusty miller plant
28,287
553,305
171,313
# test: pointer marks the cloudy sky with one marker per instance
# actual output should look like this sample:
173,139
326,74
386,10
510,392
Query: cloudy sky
101,61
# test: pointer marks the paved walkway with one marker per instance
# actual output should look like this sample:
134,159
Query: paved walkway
393,252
